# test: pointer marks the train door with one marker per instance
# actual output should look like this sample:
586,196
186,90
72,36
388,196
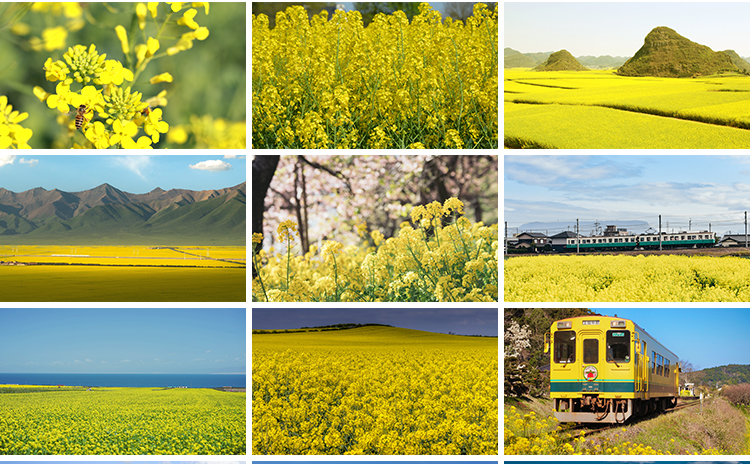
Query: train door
592,370
637,371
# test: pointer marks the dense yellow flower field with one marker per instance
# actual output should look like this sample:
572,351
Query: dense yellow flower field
333,83
627,278
220,256
141,421
456,261
374,390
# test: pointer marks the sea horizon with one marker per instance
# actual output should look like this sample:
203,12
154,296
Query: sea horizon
215,380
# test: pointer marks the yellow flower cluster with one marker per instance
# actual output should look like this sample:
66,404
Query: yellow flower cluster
627,278
88,84
434,262
12,134
529,434
333,83
374,390
211,133
123,421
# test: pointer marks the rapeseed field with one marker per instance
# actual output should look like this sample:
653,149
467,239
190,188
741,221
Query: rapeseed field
333,83
598,109
437,261
141,421
374,390
627,278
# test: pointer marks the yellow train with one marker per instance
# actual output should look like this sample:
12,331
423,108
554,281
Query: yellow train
607,369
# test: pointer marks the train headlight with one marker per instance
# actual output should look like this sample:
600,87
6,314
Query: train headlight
564,325
618,324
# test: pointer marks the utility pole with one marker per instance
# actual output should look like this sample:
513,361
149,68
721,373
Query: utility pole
690,224
578,237
506,238
660,232
745,229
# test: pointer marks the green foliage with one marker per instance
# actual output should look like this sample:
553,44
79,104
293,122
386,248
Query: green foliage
560,61
731,374
666,53
370,9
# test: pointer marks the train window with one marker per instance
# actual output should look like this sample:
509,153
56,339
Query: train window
565,346
591,351
659,365
618,346
653,362
666,368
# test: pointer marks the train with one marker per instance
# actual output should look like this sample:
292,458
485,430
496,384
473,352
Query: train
608,369
616,240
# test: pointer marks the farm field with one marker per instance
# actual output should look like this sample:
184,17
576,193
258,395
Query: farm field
374,390
627,278
104,283
598,109
122,273
340,82
141,421
126,255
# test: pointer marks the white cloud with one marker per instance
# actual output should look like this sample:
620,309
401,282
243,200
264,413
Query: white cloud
212,165
6,159
234,156
77,361
208,351
89,360
198,359
125,361
135,163
30,162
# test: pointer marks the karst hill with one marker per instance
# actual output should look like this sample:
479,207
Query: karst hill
665,53
561,61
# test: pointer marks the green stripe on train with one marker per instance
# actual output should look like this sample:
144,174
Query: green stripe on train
604,387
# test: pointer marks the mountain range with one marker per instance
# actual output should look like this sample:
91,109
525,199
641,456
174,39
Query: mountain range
516,59
106,215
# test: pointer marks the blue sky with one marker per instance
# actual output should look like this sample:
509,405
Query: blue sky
619,188
132,173
133,340
459,321
618,29
707,337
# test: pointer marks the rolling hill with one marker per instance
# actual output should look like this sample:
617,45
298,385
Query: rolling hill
665,53
561,61
106,215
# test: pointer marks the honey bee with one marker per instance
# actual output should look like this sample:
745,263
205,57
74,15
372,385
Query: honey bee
81,115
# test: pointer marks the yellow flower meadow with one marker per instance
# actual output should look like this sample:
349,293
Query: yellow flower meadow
333,83
445,258
627,278
141,421
374,390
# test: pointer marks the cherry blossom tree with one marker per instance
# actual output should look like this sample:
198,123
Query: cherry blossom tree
329,196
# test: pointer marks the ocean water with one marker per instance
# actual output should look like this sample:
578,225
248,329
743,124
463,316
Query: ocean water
128,380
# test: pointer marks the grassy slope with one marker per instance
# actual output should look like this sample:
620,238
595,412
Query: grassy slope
365,337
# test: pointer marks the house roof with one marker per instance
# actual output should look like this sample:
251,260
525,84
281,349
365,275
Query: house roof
566,234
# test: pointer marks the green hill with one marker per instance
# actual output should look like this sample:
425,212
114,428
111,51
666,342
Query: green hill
738,61
516,59
665,53
561,61
731,374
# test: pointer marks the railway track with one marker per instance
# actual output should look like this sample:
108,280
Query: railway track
587,430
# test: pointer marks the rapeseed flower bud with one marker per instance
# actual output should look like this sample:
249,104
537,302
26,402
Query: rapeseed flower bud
123,36
84,63
163,77
140,11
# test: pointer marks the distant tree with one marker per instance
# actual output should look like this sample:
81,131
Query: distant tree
370,9
271,8
686,371
463,10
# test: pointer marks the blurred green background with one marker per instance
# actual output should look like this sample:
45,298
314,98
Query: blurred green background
209,79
